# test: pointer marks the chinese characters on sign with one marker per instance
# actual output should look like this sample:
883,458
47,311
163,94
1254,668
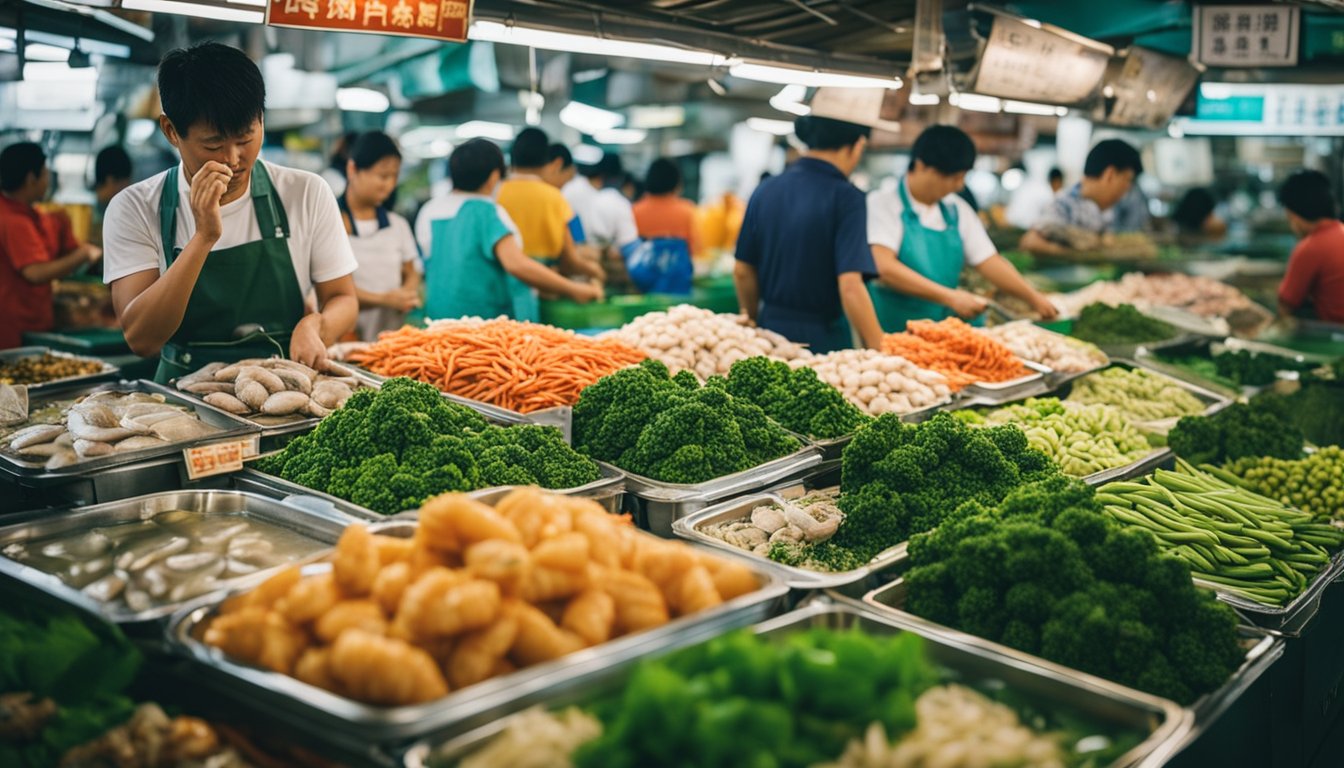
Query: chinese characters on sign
1247,35
218,458
1034,63
438,19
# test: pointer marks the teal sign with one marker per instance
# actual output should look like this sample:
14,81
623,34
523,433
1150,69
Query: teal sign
1241,109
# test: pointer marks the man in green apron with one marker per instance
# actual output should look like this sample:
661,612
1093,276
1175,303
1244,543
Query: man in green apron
923,234
213,260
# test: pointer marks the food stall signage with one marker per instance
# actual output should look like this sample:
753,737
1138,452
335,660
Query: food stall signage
1030,61
436,19
1247,35
218,458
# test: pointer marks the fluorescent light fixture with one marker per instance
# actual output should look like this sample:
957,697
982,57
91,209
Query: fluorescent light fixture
586,154
362,100
975,102
659,116
7,36
790,99
484,129
773,127
1215,90
589,119
621,136
57,72
765,73
44,52
924,99
140,130
1031,108
219,12
494,32
716,87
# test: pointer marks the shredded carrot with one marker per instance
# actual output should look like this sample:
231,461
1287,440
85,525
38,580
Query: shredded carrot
524,367
956,350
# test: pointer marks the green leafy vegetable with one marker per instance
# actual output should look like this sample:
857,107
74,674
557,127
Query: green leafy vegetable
1103,324
795,398
1235,432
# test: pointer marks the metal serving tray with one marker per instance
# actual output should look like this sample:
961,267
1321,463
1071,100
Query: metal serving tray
324,527
1213,401
1057,377
797,578
352,726
28,473
965,658
1130,350
1262,650
658,504
108,371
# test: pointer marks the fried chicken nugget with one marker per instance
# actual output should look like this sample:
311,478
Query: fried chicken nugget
504,562
390,586
539,639
443,603
477,653
267,593
731,579
384,670
564,552
535,513
639,604
604,544
393,549
543,584
239,634
360,614
310,598
356,562
281,644
455,521
663,562
693,591
314,668
591,615
424,557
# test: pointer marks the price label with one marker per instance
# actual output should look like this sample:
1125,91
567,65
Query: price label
218,458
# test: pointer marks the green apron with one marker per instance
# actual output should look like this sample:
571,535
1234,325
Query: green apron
937,255
252,284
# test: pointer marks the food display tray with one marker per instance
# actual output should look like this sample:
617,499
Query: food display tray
1213,401
965,657
312,523
108,371
29,473
1129,351
352,726
1262,650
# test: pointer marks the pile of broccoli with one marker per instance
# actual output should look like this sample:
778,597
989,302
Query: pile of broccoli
671,429
1238,431
390,449
1047,573
1103,324
796,399
899,479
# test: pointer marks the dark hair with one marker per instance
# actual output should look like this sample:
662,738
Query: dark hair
472,162
559,152
945,149
529,149
663,178
372,147
340,151
213,84
825,133
1112,153
609,168
18,162
1056,175
636,186
111,163
1307,194
1195,206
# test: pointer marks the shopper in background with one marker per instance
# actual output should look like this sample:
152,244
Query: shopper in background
1131,213
35,248
1195,217
607,218
1108,174
1056,179
559,169
632,188
720,222
1314,283
923,234
111,174
334,173
803,255
663,212
387,280
212,259
476,266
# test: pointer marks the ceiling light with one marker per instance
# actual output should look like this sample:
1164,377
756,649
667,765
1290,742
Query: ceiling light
621,136
43,52
790,99
975,102
494,32
765,73
140,130
716,87
586,154
669,116
484,129
7,36
773,127
924,99
589,119
1012,179
362,100
1029,108
57,72
222,13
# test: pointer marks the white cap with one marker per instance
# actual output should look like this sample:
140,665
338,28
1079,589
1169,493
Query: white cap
870,107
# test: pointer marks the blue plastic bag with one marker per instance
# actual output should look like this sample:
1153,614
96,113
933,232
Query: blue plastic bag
660,265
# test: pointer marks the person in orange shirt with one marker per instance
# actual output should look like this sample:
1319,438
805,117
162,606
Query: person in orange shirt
662,212
35,248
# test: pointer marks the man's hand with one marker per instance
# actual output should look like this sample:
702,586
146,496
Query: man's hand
586,292
1044,308
91,252
966,304
207,187
403,299
305,345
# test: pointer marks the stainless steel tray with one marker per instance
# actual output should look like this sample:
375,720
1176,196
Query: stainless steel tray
1213,401
109,371
1037,375
1057,377
1262,650
354,726
310,522
924,414
1166,723
1128,351
230,428
1289,619
659,504
797,578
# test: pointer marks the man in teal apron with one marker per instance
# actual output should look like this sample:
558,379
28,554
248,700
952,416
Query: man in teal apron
922,234
258,240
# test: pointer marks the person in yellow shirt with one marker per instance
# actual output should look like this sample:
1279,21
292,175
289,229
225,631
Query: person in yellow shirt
539,210
720,222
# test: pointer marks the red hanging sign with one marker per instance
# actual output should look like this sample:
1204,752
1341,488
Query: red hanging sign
446,20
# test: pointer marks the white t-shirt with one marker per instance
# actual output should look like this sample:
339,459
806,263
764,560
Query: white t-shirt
318,245
381,254
886,229
446,207
608,218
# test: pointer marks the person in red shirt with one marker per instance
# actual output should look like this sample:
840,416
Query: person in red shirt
662,212
35,248
1314,283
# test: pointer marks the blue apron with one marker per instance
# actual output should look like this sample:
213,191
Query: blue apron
937,255
485,289
821,335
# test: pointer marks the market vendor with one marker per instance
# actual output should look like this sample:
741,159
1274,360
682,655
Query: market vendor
212,259
1086,208
36,248
802,255
923,234
607,217
1314,283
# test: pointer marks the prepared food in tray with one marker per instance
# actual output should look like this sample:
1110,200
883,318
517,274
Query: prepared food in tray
476,592
269,390
784,529
1059,353
47,367
959,352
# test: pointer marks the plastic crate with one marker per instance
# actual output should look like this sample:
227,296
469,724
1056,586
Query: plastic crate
563,313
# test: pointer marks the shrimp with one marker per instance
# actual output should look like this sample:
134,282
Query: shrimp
477,653
390,585
355,564
539,639
505,563
565,552
360,614
310,598
591,615
384,670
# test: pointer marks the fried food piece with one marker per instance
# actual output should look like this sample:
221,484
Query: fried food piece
478,653
347,614
543,584
539,639
314,668
384,670
310,598
503,562
239,634
393,549
564,552
731,579
604,541
267,592
424,557
536,515
445,603
591,615
663,563
454,521
281,644
390,585
357,560
693,591
639,604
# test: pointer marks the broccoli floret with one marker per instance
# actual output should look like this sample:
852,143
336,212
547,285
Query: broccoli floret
1235,432
374,489
795,398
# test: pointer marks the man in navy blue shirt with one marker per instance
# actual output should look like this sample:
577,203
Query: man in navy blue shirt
803,256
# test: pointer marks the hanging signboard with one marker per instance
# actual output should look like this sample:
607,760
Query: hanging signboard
446,20
1029,61
1145,88
1247,35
